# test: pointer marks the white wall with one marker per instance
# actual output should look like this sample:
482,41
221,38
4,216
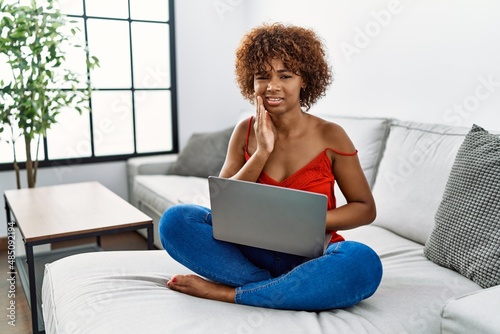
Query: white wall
428,61
208,33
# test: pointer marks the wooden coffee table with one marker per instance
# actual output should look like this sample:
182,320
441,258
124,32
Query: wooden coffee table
53,214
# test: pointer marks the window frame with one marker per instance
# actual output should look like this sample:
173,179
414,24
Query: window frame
46,162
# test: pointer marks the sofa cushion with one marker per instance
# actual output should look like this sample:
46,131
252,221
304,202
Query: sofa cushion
466,236
466,314
203,155
412,176
368,136
159,192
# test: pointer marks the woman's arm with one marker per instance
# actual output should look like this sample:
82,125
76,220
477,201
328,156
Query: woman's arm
360,208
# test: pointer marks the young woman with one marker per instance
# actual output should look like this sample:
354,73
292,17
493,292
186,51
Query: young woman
283,70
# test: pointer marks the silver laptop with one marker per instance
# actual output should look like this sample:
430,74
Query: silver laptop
275,218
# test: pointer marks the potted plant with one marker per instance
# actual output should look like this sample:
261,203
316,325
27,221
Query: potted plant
40,86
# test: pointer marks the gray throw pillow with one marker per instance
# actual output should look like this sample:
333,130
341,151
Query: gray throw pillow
203,155
466,237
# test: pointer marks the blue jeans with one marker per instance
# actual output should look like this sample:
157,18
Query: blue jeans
347,273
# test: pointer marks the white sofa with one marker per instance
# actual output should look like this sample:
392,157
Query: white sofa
408,165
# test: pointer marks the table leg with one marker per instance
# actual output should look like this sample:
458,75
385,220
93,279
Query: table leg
9,224
7,209
150,237
32,285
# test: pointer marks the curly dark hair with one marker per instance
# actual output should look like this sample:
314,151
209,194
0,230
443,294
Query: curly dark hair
301,51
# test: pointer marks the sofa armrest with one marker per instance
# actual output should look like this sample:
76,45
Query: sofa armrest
151,165
476,312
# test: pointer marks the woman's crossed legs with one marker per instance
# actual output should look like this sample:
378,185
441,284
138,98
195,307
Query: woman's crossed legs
347,273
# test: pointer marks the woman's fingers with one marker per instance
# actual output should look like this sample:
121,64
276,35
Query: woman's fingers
263,127
260,107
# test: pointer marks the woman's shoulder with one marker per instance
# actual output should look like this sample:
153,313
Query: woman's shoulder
243,125
328,129
242,130
333,134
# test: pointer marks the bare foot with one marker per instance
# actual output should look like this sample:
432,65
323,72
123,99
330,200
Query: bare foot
196,286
